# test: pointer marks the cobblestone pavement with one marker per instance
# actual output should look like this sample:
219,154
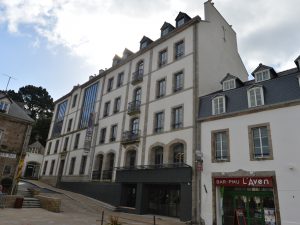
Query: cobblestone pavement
76,209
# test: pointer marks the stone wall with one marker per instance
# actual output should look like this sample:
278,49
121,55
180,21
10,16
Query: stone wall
10,200
49,203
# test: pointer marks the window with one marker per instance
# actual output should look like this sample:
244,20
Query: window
1,134
4,106
135,125
218,105
140,68
120,79
158,155
130,158
45,167
262,75
137,95
69,125
88,106
178,153
106,109
56,146
52,167
228,84
102,135
7,170
49,148
74,101
82,164
110,84
298,81
72,165
117,105
178,81
161,88
180,22
179,49
177,117
163,58
66,144
159,122
76,142
59,118
220,145
144,44
165,31
260,142
113,133
255,97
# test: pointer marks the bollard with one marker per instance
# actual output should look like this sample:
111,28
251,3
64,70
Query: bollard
102,218
154,220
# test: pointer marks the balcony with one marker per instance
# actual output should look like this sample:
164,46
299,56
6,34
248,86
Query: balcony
137,76
134,108
129,137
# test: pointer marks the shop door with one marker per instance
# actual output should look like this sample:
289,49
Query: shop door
254,204
164,200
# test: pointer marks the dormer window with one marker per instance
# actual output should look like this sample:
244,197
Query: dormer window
144,44
180,22
4,107
165,32
262,75
255,96
218,105
229,84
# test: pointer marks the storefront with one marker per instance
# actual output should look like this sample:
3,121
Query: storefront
254,197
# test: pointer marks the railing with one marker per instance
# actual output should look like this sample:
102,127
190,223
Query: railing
177,125
130,136
157,166
96,175
134,107
178,55
137,76
107,174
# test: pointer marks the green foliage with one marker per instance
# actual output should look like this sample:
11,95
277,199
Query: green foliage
114,220
40,129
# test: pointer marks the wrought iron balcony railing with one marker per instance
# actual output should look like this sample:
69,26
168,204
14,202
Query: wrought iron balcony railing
134,107
137,76
131,136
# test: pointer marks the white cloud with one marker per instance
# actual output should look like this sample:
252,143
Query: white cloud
268,30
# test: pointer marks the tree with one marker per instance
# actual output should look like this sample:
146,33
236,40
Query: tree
38,101
16,96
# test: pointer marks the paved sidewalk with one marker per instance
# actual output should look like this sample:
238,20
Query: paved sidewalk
77,209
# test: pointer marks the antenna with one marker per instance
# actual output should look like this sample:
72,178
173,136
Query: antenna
9,78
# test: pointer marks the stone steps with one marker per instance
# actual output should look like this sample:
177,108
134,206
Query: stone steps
31,203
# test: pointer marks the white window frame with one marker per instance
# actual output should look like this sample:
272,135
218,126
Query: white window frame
262,76
261,92
223,152
229,84
218,100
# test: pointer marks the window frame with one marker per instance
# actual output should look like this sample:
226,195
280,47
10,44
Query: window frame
217,111
251,142
156,129
117,104
56,146
163,58
102,137
177,54
66,142
72,165
120,79
69,127
106,109
113,132
82,164
76,141
214,159
160,88
231,83
180,124
261,92
180,22
110,84
1,135
48,149
74,101
265,75
45,167
181,87
52,167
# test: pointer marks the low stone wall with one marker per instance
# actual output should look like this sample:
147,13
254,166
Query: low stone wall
10,200
51,180
49,203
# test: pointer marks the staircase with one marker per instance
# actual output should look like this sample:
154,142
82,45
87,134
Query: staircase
31,203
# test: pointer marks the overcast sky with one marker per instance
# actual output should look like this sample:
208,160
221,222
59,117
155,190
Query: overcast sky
57,44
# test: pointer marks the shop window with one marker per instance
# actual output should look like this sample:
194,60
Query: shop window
260,142
220,145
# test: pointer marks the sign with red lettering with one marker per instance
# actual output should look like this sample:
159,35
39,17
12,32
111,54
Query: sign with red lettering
244,181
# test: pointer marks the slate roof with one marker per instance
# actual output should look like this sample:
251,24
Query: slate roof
16,111
280,89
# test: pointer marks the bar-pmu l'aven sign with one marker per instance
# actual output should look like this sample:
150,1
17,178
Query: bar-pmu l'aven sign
244,181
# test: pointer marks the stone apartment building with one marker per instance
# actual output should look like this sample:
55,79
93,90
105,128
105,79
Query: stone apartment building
15,130
129,135
250,140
